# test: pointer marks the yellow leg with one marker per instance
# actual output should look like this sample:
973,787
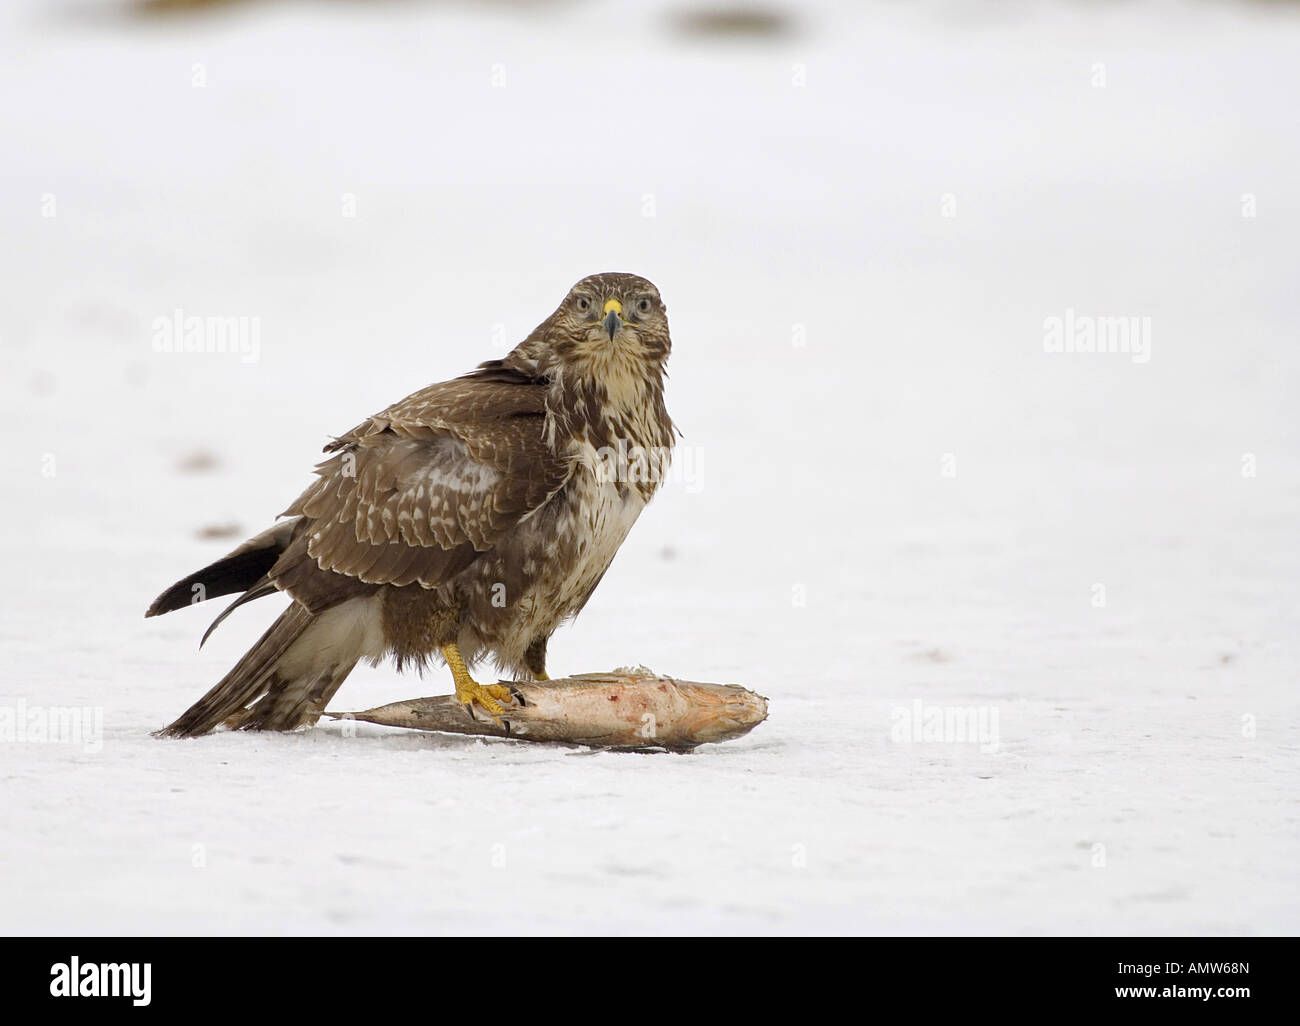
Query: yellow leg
468,690
543,675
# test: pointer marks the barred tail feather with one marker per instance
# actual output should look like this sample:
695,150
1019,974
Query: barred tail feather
285,680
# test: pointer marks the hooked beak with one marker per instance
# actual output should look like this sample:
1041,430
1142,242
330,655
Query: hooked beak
612,321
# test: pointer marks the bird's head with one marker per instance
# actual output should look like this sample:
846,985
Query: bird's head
612,313
609,327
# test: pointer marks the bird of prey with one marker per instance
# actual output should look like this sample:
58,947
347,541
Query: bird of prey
467,521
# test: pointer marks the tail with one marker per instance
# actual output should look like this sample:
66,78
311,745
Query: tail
287,678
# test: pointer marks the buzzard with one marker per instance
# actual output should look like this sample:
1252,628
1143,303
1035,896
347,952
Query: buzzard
467,521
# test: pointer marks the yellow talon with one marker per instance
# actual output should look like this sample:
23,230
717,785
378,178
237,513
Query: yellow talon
542,675
469,691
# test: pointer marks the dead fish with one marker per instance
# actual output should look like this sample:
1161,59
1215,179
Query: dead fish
622,709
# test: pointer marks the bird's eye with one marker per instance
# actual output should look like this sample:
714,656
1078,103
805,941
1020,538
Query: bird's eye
643,305
583,304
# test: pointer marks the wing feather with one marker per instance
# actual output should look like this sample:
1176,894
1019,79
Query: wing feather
417,492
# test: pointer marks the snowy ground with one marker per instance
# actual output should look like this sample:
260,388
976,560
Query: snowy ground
890,493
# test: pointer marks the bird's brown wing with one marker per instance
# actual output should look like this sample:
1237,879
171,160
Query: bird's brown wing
417,492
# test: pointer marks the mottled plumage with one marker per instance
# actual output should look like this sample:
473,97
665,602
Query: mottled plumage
478,513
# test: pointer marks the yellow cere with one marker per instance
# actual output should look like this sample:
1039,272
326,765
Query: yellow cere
613,304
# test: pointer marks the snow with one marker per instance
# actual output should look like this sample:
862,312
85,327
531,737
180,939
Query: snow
889,492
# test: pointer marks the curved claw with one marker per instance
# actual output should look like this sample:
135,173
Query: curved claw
470,693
